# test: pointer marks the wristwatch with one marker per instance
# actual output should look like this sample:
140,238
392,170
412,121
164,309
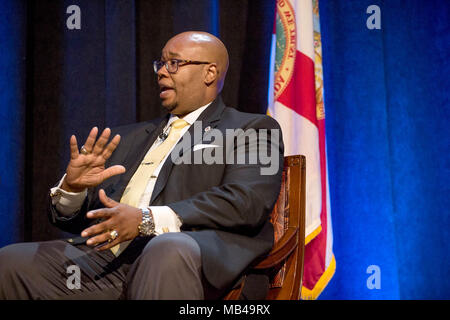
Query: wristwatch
147,226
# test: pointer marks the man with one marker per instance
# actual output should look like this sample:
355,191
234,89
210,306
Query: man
154,225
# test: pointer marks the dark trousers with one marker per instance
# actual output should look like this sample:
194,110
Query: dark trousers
166,267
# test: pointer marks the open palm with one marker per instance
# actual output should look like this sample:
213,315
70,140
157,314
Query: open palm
88,170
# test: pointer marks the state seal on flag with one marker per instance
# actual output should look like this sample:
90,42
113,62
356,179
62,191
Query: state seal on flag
286,46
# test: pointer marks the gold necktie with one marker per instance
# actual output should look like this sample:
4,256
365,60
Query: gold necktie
138,183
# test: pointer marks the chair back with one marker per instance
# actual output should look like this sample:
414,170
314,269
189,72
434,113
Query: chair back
284,263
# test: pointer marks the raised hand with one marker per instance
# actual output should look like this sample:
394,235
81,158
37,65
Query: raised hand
88,170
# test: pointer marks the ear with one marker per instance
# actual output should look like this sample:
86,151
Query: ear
211,74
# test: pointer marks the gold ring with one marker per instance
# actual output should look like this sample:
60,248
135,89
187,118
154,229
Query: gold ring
83,150
113,234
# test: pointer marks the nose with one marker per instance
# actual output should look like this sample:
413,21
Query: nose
162,72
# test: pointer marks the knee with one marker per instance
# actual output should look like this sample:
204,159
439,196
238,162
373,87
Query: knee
15,267
15,257
173,250
168,268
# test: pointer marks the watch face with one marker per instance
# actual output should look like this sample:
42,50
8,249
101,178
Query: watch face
146,228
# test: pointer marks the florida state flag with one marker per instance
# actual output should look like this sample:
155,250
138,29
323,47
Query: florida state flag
296,102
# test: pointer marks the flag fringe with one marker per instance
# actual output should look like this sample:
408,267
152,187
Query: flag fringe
315,292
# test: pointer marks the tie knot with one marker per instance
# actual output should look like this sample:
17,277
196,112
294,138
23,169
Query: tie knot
179,124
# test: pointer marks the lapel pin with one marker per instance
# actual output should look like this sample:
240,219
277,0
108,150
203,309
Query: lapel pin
207,128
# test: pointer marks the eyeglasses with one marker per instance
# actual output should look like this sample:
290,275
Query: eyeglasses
173,64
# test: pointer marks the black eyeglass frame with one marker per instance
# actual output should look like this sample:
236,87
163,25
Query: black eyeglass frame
158,64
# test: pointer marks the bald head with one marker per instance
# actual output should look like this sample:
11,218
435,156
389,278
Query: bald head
206,47
202,67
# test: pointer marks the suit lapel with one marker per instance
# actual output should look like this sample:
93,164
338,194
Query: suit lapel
209,117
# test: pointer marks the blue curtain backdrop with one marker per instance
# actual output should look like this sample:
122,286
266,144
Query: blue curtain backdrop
386,99
387,121
12,115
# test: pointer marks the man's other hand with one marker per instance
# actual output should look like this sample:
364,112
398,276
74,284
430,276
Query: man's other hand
87,169
120,217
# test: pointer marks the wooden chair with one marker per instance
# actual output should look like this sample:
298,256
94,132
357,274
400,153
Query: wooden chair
284,263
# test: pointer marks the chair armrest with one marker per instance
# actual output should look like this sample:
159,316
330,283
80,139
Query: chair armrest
283,247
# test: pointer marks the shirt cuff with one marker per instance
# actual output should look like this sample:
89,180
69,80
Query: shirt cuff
165,219
67,203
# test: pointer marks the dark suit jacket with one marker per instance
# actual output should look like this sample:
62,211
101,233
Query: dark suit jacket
224,207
